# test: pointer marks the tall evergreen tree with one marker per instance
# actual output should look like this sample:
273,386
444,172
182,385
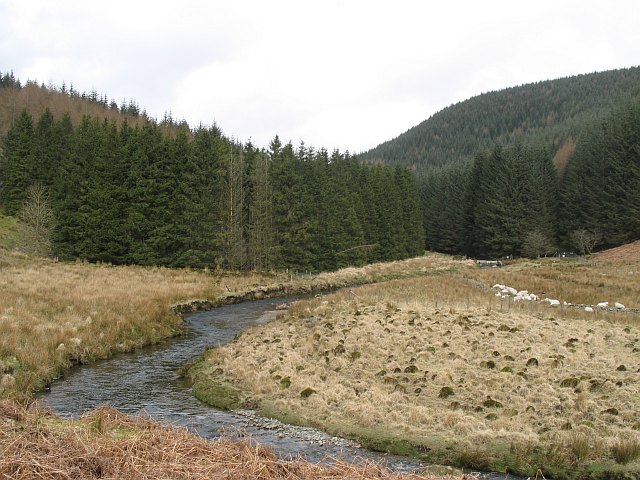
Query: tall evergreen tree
17,163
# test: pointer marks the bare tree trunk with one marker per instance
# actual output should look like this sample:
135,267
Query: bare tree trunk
234,235
37,221
261,234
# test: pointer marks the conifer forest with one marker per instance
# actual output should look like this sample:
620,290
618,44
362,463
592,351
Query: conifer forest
528,171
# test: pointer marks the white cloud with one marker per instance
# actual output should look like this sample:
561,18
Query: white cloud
337,73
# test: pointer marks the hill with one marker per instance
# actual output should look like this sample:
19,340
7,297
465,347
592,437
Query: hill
628,254
551,112
35,99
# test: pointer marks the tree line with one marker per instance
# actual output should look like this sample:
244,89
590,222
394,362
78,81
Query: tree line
514,201
138,195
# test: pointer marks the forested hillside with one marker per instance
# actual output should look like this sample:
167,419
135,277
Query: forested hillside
529,170
15,97
111,190
512,201
548,112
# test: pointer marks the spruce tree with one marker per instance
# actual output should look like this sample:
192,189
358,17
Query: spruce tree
17,163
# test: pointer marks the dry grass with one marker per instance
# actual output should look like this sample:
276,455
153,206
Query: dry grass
107,444
452,370
602,278
53,315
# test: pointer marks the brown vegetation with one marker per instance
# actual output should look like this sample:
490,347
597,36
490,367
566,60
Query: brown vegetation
436,367
562,156
107,444
53,315
36,98
628,254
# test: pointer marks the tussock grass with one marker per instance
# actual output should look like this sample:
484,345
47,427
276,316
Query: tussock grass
107,444
54,315
526,387
626,450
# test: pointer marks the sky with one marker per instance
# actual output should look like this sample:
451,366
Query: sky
346,74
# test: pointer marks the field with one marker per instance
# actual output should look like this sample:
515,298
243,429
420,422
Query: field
55,315
439,367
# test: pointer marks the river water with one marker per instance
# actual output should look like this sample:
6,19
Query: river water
146,383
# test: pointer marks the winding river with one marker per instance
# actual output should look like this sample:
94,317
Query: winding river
146,383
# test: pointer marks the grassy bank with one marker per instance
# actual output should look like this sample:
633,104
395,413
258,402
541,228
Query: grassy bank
54,315
107,444
436,367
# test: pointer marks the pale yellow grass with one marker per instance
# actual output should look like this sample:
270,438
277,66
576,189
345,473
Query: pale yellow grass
382,356
574,280
107,444
53,315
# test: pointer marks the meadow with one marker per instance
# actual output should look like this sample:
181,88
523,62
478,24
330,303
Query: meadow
55,315
439,367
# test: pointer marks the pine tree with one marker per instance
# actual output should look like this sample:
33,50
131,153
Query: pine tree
203,213
17,163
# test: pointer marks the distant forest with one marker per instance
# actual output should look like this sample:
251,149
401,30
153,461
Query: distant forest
160,193
529,170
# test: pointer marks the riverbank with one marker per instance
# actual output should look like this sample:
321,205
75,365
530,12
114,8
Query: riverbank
107,444
438,368
56,315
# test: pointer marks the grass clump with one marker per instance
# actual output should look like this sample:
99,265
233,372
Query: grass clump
445,392
307,392
626,450
399,388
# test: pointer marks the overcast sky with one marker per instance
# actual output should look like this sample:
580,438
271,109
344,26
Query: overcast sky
334,73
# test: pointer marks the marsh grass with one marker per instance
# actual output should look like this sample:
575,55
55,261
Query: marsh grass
626,450
504,368
55,315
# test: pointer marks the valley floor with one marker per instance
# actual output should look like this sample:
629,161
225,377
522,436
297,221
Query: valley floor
439,367
55,315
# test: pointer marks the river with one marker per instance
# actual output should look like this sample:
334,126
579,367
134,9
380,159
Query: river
146,383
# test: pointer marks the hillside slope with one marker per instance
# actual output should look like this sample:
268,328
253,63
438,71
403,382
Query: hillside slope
550,111
15,97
